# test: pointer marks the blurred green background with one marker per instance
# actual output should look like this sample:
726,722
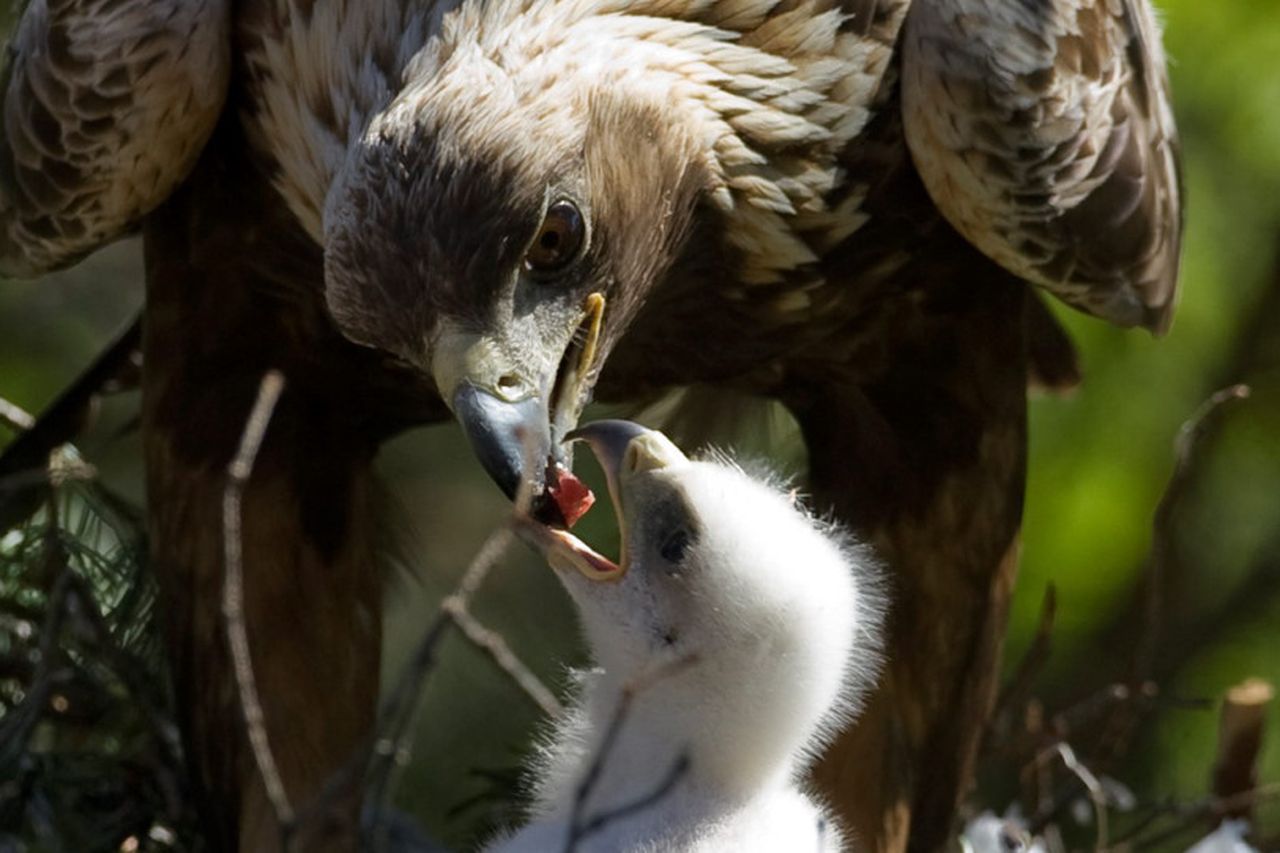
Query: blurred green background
1099,463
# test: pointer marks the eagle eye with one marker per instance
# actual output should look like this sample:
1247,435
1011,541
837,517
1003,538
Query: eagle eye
558,239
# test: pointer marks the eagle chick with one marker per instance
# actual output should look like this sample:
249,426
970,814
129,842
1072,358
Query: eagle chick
741,632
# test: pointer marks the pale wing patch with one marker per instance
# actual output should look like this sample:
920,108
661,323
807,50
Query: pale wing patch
106,107
319,73
1043,132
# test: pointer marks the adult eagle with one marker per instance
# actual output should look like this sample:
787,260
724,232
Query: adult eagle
501,207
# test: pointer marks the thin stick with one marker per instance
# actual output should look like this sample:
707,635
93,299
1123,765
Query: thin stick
238,473
674,774
1162,566
394,737
579,825
15,417
1097,794
377,754
58,424
1241,724
499,651
1192,813
1037,654
1163,532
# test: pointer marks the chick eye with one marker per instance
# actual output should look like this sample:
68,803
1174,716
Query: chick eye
674,546
558,239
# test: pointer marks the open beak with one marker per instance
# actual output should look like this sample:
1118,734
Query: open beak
516,404
624,450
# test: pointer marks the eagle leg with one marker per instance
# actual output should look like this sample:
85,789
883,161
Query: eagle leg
230,297
925,458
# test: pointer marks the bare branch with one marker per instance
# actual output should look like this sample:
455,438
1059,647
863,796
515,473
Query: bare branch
57,425
15,417
238,473
1019,686
493,644
1241,725
580,826
393,739
1162,567
1164,528
678,768
1097,795
1188,815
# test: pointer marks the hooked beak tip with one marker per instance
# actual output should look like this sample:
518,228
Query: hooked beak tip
511,440
624,448
608,440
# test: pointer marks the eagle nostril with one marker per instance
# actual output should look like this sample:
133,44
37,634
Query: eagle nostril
508,382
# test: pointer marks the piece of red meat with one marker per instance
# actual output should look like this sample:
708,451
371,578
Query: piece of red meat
571,495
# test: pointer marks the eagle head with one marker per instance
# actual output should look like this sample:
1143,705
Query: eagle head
544,170
499,231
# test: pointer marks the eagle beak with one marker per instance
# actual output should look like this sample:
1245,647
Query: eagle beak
515,403
506,436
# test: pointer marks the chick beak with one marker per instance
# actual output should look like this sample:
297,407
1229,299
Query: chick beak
609,440
624,450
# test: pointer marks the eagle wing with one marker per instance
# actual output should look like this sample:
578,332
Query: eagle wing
1043,132
107,104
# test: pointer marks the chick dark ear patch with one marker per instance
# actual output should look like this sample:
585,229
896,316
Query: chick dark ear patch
671,527
676,545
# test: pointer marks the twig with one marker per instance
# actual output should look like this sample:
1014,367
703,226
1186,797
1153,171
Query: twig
1241,725
377,754
58,424
1097,794
1037,654
376,747
1246,602
499,651
16,726
393,737
674,774
238,473
1193,813
1164,528
1160,566
391,740
580,826
15,417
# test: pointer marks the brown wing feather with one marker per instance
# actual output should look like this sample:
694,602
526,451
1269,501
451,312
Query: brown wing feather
1044,134
107,103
